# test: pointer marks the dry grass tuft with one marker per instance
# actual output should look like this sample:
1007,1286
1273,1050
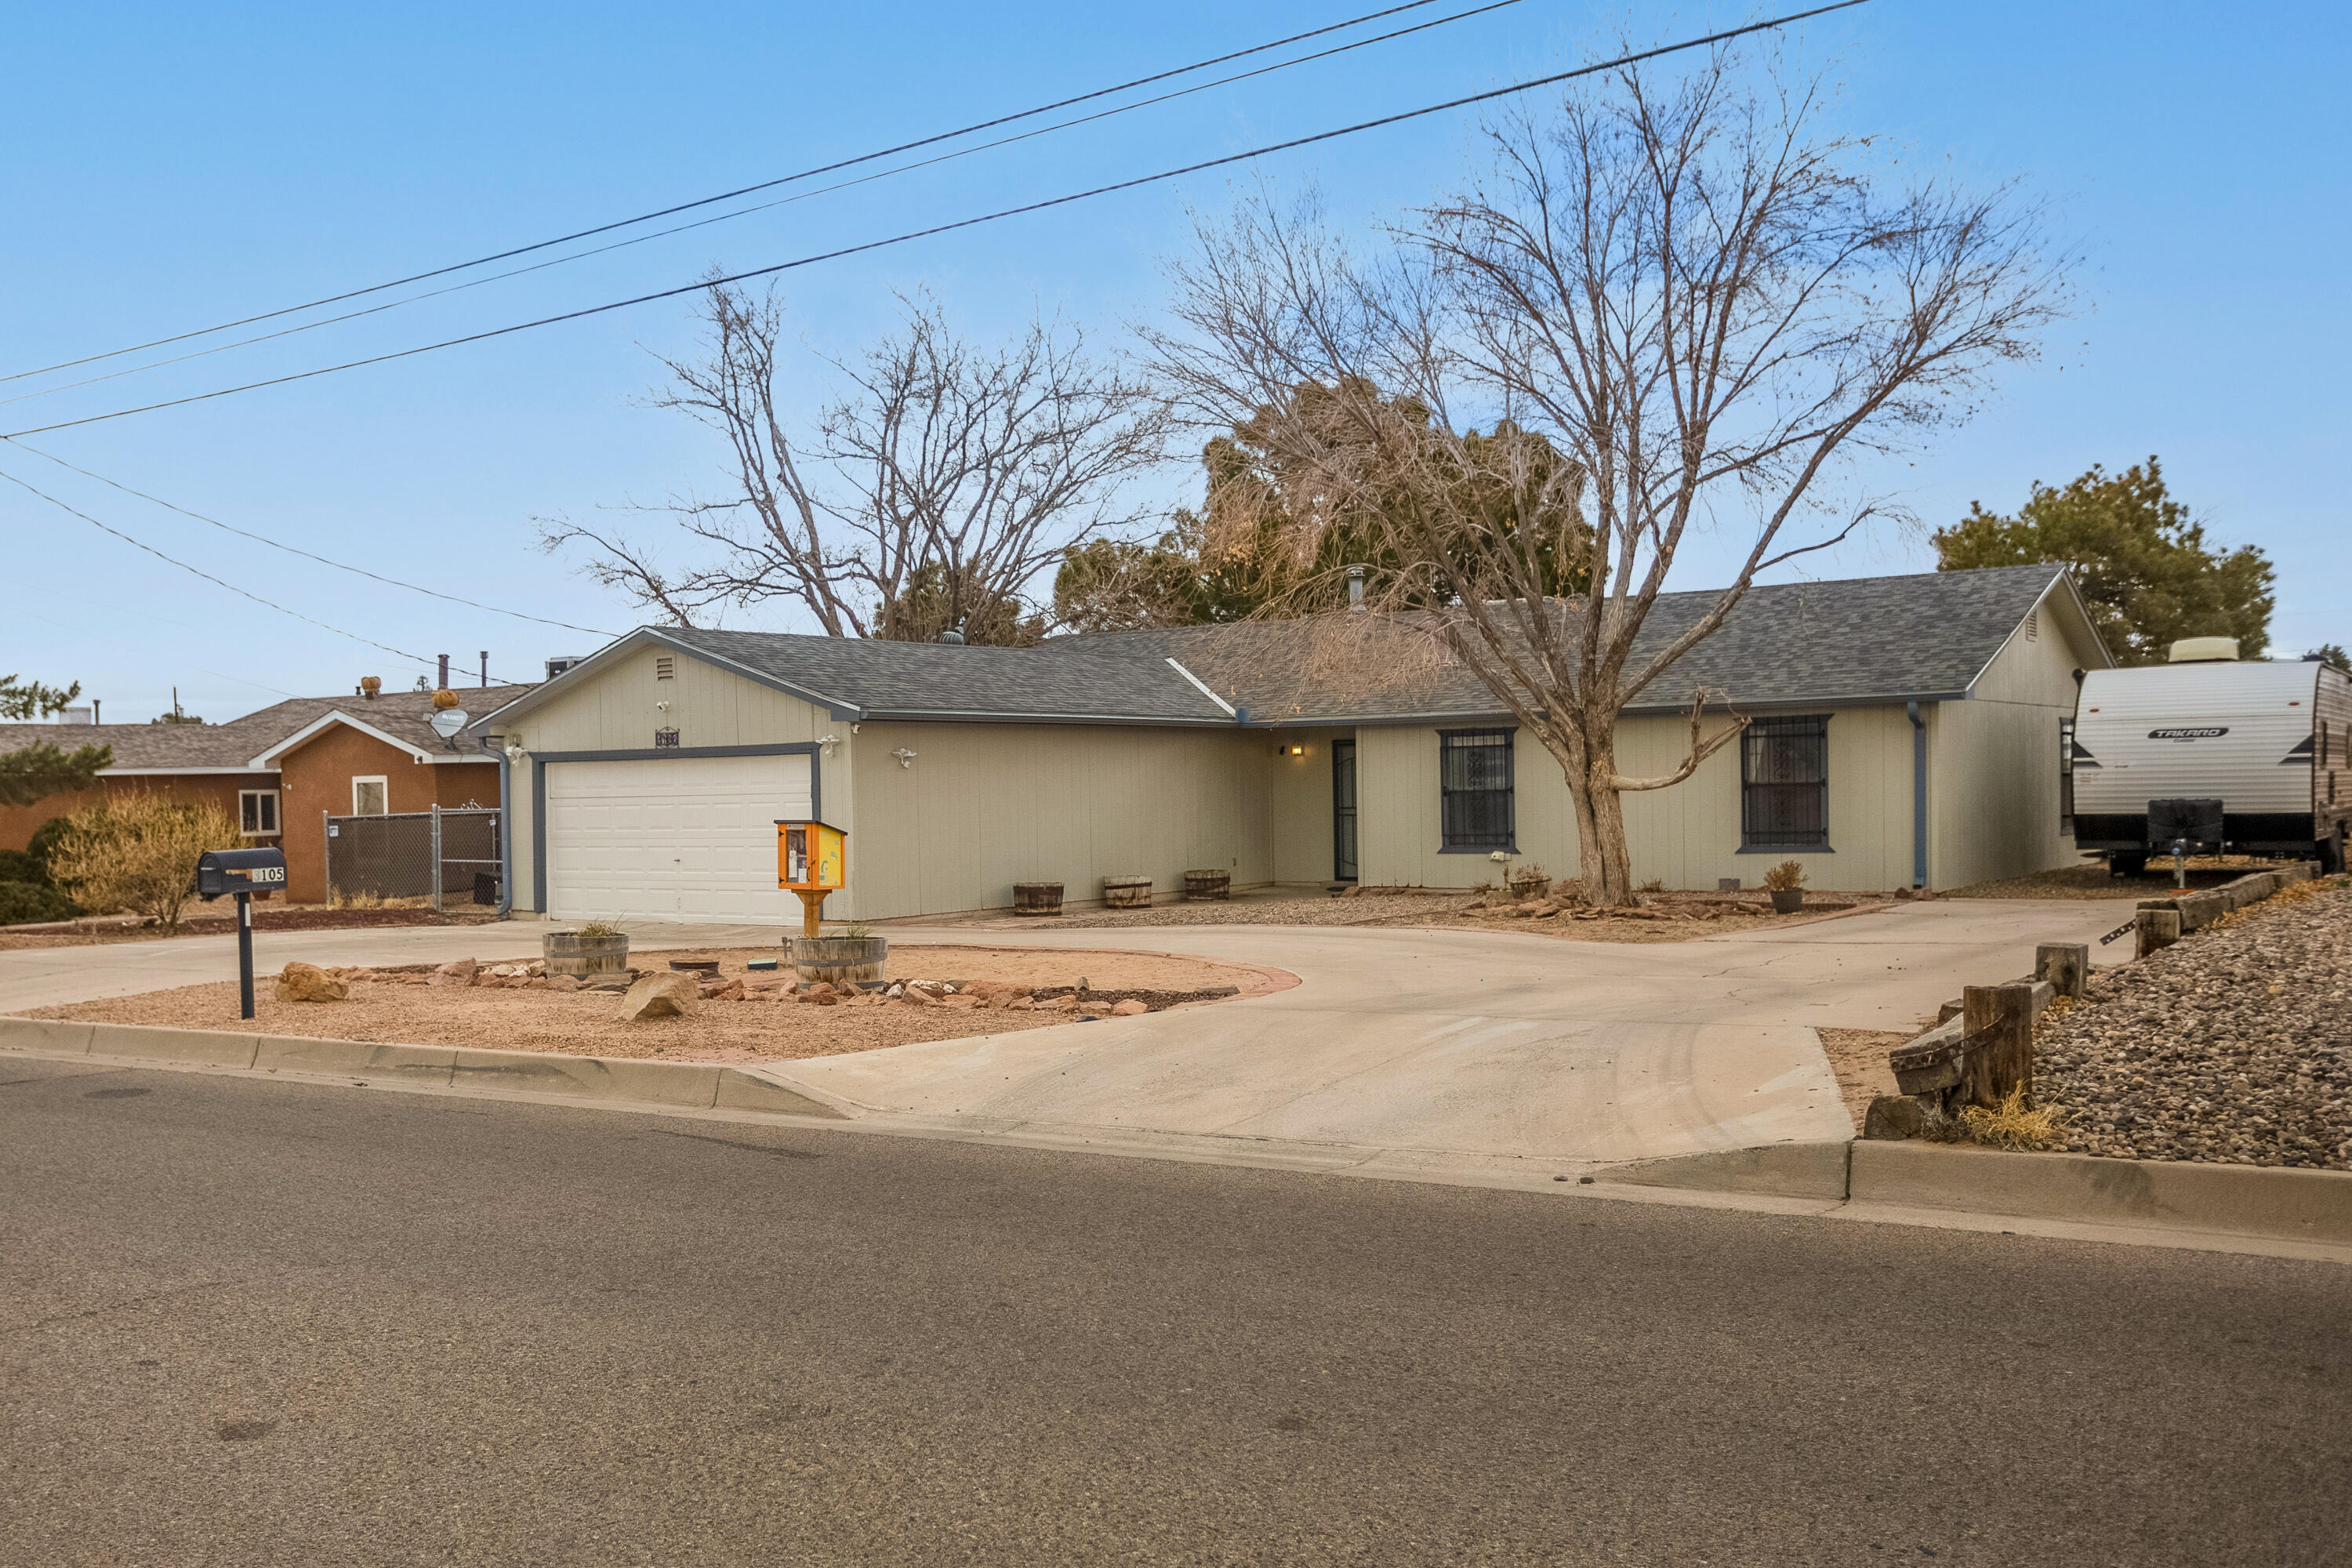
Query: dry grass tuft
2013,1125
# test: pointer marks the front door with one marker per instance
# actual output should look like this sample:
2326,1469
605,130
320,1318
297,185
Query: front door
1343,810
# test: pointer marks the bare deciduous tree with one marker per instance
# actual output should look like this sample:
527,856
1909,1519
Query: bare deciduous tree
927,497
1707,305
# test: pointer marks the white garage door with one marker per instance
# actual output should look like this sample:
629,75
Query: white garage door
689,839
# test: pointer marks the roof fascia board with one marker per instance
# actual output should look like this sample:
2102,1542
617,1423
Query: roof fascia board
1645,711
1203,687
337,716
595,662
175,773
924,716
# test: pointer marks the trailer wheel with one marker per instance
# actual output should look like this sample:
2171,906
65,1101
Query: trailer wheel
2126,865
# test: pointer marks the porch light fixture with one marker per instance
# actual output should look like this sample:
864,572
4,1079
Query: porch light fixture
906,757
828,743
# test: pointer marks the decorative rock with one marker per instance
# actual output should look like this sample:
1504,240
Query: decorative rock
1128,1009
308,982
1894,1115
558,982
658,996
459,973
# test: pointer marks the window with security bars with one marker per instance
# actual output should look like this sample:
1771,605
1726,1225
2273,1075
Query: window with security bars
1474,782
1784,783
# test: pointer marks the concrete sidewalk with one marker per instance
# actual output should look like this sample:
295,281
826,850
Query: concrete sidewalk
1398,1046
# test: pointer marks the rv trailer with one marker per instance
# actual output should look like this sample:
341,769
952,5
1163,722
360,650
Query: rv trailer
2212,754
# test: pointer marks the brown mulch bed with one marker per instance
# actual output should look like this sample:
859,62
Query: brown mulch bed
219,919
587,1022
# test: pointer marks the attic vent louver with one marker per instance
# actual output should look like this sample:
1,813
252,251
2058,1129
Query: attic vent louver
665,667
2034,625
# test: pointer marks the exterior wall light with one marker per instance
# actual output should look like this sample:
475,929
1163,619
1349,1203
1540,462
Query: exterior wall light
828,743
906,757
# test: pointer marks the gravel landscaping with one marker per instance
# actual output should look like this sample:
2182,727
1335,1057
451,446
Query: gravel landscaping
1670,918
750,1022
2232,1046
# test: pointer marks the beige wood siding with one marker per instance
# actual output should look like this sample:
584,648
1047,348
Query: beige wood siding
1686,835
1993,800
979,807
613,710
1298,795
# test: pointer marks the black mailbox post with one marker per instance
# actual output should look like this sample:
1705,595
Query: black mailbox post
239,874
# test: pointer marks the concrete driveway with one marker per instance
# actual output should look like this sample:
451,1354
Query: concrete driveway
1401,1048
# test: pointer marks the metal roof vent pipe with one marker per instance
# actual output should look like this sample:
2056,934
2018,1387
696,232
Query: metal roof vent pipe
951,637
1355,588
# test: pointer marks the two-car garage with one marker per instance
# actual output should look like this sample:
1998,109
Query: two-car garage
674,838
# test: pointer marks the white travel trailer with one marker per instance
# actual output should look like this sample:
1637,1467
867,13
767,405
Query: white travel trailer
2220,753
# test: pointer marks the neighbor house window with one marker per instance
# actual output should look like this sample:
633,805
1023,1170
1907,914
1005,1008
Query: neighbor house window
256,812
1784,783
369,796
1473,790
2066,776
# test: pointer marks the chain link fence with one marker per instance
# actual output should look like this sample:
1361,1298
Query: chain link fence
444,855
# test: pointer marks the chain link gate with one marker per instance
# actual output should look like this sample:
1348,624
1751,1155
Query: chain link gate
415,853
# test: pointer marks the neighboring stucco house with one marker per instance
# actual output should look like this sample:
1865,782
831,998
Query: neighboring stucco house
1908,732
283,770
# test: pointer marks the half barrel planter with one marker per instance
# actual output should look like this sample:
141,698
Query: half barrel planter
1127,892
1036,898
843,960
1208,887
588,957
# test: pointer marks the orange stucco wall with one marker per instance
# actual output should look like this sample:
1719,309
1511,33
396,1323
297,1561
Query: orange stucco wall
316,776
18,823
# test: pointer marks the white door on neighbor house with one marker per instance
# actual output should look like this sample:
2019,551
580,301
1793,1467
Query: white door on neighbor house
689,839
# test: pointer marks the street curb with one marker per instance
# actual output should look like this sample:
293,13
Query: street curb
2242,1200
690,1085
1776,1170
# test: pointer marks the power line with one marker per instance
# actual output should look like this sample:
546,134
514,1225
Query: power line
723,217
961,223
197,571
730,195
291,550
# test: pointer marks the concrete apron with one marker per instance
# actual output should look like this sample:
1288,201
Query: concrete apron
2224,1208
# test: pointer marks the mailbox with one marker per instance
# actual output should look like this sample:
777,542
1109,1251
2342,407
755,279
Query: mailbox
811,857
221,872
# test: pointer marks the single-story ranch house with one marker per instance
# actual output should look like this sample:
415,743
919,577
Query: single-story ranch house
1907,732
283,769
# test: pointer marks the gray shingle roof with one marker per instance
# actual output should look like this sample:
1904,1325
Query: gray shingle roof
170,748
1926,635
1867,639
901,679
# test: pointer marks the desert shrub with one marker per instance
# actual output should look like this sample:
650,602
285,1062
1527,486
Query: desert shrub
1788,874
137,851
22,904
17,865
45,840
2013,1125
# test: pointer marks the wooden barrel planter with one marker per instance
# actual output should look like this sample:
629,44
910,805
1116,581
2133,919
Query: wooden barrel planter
1036,898
1127,892
837,958
1524,888
1206,886
576,953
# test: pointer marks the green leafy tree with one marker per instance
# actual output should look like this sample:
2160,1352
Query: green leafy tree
31,773
2143,563
2332,652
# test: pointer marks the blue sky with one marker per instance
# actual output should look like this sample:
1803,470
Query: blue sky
169,167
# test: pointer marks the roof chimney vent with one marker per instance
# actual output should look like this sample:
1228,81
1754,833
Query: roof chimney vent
1355,588
2204,650
950,637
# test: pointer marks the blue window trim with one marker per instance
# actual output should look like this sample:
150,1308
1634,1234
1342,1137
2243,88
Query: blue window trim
539,762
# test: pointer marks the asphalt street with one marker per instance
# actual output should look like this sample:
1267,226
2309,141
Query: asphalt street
245,1322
